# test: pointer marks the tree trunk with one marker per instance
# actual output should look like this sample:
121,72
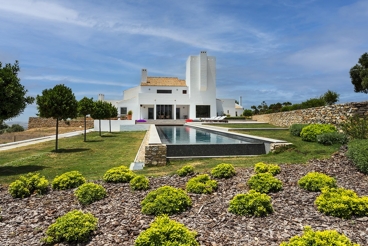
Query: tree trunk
99,121
56,135
85,130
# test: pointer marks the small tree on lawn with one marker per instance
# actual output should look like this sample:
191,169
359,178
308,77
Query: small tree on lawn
85,106
101,111
330,97
58,103
113,113
13,97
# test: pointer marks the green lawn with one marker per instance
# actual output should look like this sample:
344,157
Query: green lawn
245,125
91,158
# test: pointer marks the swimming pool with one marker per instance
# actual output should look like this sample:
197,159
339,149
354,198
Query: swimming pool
185,141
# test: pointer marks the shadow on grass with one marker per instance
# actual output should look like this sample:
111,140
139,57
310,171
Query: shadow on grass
69,150
8,170
94,141
108,136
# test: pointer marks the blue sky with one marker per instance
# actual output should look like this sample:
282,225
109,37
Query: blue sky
266,50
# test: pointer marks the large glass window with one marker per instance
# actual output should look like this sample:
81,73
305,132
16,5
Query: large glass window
203,111
164,111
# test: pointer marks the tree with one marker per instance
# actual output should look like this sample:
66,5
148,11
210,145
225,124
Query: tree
247,112
359,74
85,106
330,97
113,113
13,99
58,103
101,111
255,109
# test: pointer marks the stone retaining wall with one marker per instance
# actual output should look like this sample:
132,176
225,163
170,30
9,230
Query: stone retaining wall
38,122
155,155
333,114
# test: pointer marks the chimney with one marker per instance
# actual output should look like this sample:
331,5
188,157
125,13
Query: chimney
240,101
101,97
144,76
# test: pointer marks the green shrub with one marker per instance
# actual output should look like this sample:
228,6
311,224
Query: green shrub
310,132
89,192
261,167
342,203
120,174
28,184
315,181
164,231
68,180
186,170
264,183
322,238
332,138
295,129
253,203
139,182
201,184
223,170
166,200
74,226
356,127
358,153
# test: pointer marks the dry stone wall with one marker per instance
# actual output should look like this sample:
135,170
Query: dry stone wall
155,155
333,114
38,122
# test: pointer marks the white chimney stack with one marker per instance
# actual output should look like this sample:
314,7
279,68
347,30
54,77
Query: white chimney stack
144,76
101,97
240,101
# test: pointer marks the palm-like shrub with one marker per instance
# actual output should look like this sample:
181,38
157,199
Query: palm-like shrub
253,203
223,170
201,184
315,181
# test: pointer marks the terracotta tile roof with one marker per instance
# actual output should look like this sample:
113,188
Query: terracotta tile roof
164,81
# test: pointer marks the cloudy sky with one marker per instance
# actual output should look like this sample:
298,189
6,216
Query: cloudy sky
266,50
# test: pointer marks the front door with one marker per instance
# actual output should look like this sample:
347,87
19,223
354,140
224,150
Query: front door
150,113
177,113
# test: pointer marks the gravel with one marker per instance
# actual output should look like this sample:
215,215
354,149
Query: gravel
25,221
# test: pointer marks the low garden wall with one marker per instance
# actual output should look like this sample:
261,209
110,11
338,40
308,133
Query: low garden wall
333,114
38,122
155,155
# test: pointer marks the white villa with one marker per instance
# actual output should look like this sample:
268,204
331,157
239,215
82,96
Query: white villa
173,98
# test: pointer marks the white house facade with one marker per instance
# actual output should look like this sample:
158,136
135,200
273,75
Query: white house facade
173,98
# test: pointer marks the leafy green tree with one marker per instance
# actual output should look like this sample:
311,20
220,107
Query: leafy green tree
58,103
247,112
359,74
85,106
13,99
330,97
255,109
113,113
101,111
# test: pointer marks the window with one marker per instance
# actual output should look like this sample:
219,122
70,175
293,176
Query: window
184,91
203,111
164,91
123,110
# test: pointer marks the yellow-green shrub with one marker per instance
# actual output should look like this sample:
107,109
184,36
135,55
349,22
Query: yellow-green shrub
120,174
74,226
139,182
201,184
310,132
88,193
315,181
166,200
164,231
185,170
358,154
28,184
223,170
264,183
261,167
342,203
319,238
252,203
68,180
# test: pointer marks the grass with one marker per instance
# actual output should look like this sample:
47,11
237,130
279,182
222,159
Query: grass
299,153
245,125
92,158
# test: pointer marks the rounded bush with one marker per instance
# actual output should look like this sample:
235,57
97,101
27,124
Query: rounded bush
68,180
358,154
89,192
186,170
166,200
342,203
315,181
223,170
310,132
295,129
253,203
202,184
261,167
28,184
327,237
164,231
120,174
264,183
139,182
74,226
332,138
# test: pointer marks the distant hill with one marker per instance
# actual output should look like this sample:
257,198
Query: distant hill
22,123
